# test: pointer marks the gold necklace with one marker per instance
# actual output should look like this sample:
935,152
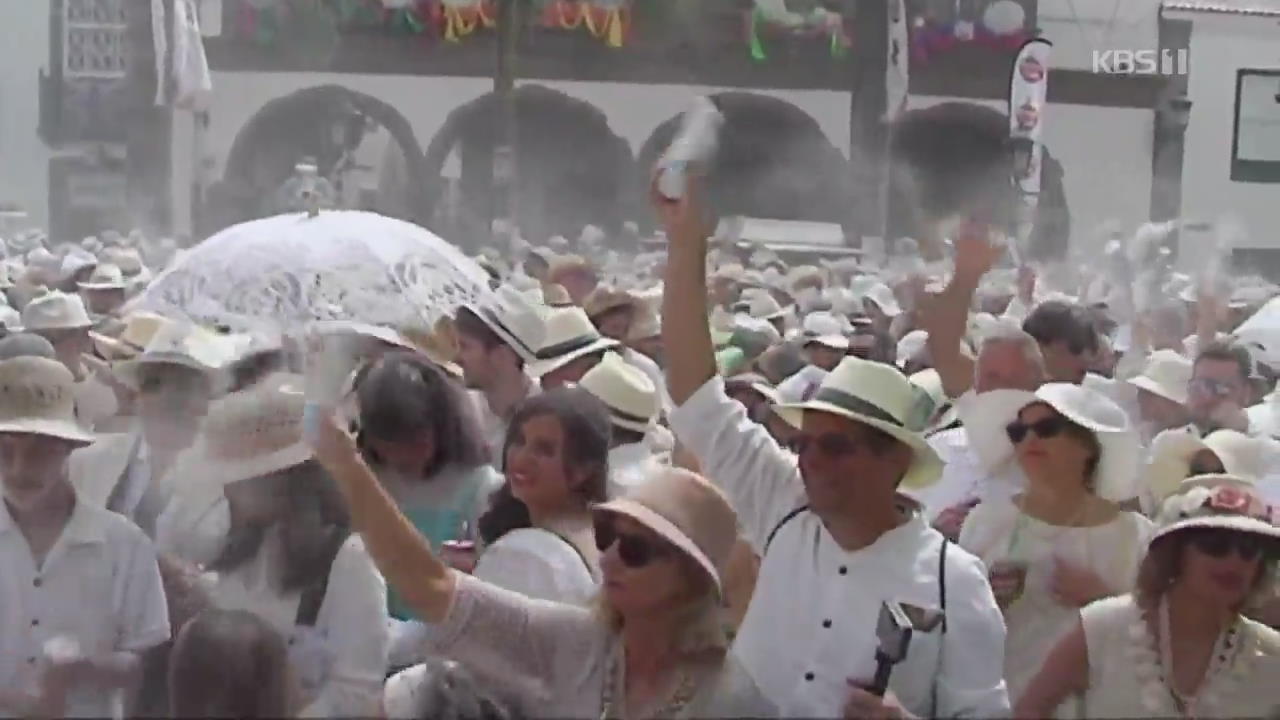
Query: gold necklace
679,699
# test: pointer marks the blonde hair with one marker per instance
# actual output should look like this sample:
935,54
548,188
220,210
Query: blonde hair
702,625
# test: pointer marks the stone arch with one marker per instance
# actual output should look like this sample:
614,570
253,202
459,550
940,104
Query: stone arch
774,162
575,170
300,124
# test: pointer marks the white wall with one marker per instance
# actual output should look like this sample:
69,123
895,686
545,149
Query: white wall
1078,28
1219,47
1106,152
24,170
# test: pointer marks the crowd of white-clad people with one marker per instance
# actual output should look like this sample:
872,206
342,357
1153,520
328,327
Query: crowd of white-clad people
583,497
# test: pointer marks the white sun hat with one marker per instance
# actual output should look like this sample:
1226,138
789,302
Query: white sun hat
882,295
1167,374
76,260
629,394
569,334
945,414
878,396
184,345
1116,474
37,397
1218,502
105,277
911,345
53,310
10,319
824,329
513,318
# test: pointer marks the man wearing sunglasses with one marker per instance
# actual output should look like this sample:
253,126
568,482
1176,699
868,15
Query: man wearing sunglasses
1220,388
836,537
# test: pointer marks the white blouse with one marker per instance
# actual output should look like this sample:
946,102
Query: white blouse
341,662
539,564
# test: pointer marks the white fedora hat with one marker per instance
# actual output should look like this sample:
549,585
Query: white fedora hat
569,335
882,295
53,310
1167,374
945,413
104,277
10,319
824,329
1217,501
513,318
182,344
37,396
1115,477
879,396
629,394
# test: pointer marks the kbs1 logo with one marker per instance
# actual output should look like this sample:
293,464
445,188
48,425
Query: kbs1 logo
1141,62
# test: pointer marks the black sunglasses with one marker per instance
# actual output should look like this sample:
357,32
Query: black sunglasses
1220,543
1044,428
633,550
829,444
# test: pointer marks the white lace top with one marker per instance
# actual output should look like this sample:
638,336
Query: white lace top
1125,673
553,658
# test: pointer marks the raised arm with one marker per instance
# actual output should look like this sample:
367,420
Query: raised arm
686,328
946,315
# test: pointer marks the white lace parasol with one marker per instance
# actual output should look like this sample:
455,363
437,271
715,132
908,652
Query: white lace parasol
292,269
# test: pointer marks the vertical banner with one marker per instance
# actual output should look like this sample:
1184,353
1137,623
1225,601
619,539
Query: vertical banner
898,68
1028,99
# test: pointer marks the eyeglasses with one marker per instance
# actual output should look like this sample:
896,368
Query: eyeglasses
1215,388
1044,429
833,445
1220,543
633,550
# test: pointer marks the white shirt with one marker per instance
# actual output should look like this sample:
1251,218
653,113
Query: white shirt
629,466
99,585
495,427
539,564
811,624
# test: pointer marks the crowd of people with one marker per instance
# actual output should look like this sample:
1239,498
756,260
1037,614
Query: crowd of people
585,497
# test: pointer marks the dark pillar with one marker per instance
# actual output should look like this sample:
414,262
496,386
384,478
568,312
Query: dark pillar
1171,116
868,134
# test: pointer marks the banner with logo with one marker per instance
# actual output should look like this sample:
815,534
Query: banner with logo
1028,100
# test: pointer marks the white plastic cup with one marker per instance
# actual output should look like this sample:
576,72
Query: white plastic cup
695,143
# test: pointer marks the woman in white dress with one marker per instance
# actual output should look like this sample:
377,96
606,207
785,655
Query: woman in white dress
1063,542
1179,645
289,556
654,645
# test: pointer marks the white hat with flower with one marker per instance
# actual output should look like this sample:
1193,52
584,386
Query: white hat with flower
1217,501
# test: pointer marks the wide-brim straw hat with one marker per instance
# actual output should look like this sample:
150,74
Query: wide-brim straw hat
629,394
1167,375
1223,502
688,512
513,318
105,277
183,345
878,396
251,433
53,310
604,300
1116,474
37,397
569,335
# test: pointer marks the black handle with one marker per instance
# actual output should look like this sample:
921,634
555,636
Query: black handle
884,667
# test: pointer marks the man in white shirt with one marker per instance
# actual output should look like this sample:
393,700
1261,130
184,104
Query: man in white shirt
809,639
633,405
81,597
1221,388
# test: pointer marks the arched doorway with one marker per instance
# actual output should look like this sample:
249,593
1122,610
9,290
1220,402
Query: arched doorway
572,170
774,162
345,131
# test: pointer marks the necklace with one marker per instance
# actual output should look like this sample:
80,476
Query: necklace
679,699
1221,659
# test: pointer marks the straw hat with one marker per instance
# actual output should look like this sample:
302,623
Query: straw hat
687,511
878,396
1167,374
763,306
53,310
567,265
37,396
569,335
946,413
105,277
10,319
179,344
554,295
603,300
1117,468
629,394
513,318
252,433
1217,501
75,260
826,330
439,344
883,297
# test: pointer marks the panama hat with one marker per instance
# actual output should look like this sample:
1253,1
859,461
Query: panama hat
53,310
1216,501
1167,374
987,422
687,511
181,344
37,397
824,329
105,277
945,414
513,318
603,300
878,396
629,394
763,306
569,334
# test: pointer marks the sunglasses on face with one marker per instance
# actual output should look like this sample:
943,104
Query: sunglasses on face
1044,429
1219,544
832,445
1215,388
633,550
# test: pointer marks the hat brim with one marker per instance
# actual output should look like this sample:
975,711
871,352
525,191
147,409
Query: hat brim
668,531
516,345
127,371
88,323
210,471
926,466
59,429
1238,523
542,367
831,342
1143,382
103,286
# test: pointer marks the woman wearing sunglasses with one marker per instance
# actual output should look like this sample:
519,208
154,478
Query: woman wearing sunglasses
1063,542
652,646
1179,645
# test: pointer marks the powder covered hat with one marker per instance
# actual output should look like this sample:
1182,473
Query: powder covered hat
37,396
826,330
105,277
603,300
53,310
629,394
182,344
513,318
1217,501
687,511
10,319
879,396
569,334
1167,374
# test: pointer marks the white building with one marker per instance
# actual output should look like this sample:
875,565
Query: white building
24,160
